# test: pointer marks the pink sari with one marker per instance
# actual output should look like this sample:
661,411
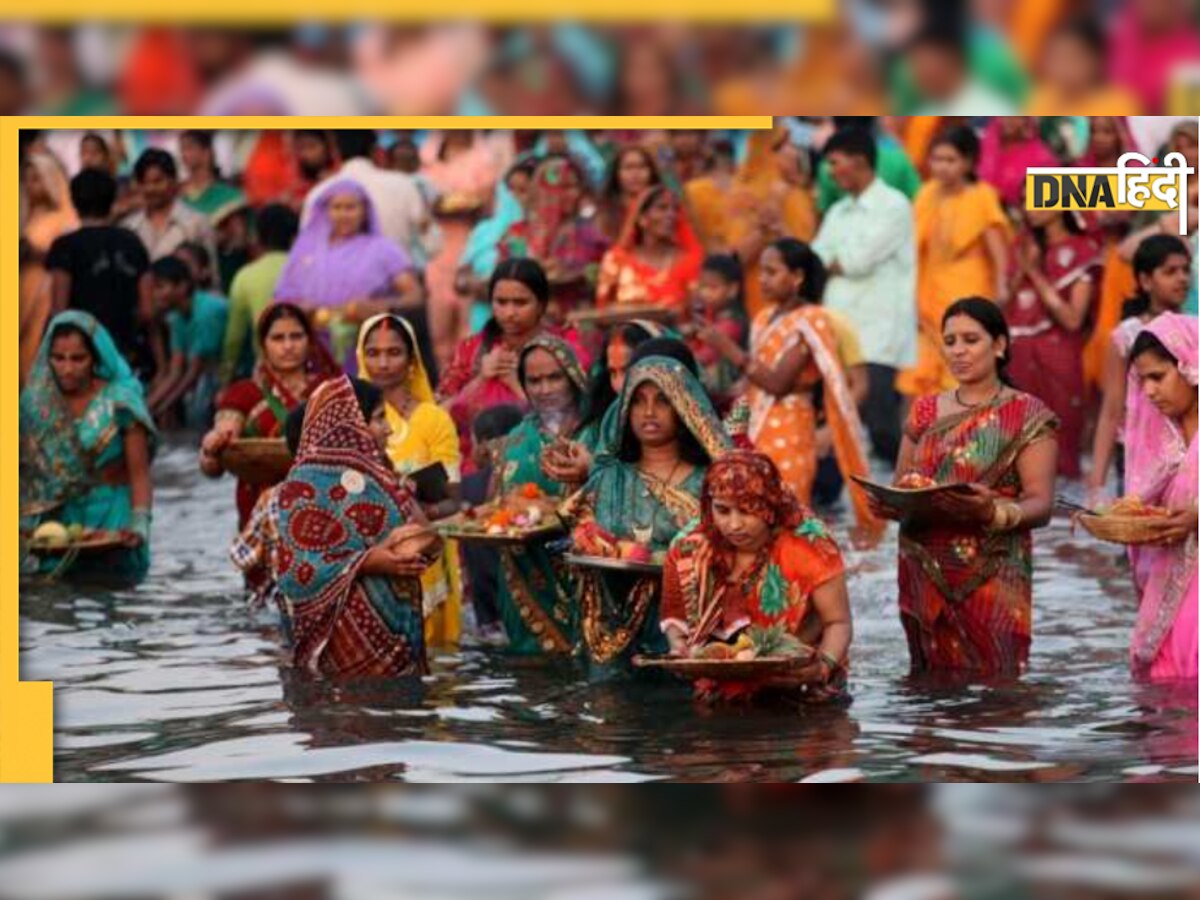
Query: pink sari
1162,470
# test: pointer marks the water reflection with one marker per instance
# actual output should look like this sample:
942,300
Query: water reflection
177,680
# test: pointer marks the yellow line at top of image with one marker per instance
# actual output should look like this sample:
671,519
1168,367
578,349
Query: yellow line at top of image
443,123
275,12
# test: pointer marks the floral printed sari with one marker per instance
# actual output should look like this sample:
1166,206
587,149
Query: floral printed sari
966,593
339,501
700,596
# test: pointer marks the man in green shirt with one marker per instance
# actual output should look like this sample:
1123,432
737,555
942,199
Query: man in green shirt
195,323
253,289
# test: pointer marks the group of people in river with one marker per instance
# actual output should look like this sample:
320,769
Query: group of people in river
758,369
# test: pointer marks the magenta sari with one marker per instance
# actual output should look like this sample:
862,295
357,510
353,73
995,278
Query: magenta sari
1162,470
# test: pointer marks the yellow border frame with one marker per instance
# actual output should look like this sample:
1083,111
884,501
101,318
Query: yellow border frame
268,12
26,708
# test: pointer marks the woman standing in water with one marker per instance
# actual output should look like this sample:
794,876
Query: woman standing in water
86,444
1162,467
536,592
757,558
422,433
1163,269
966,588
667,434
292,362
483,373
793,351
352,543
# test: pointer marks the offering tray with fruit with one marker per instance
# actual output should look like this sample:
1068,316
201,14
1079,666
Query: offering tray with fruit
595,548
53,538
911,494
757,653
1127,521
523,514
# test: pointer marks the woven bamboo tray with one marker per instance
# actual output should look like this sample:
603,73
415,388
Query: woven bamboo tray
1118,529
257,460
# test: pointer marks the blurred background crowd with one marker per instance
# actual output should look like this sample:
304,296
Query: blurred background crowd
905,57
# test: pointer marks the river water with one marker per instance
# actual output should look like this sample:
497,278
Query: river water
177,680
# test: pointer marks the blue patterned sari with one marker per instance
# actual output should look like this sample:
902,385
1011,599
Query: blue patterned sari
64,458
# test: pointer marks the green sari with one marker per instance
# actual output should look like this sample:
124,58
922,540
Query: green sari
536,595
62,458
619,611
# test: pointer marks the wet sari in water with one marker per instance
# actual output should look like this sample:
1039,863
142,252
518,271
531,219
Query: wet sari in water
427,436
537,590
1161,467
704,601
340,500
65,459
966,594
619,611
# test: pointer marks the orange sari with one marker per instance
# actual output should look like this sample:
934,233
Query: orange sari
626,279
952,262
784,428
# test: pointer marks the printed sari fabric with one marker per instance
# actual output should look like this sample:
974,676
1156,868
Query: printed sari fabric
619,612
784,428
340,500
700,596
1046,359
952,262
626,279
567,245
537,590
966,594
427,436
64,459
1161,468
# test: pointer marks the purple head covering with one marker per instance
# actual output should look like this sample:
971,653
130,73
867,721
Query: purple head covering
321,272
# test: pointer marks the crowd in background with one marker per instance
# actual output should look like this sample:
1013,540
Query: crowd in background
908,57
234,272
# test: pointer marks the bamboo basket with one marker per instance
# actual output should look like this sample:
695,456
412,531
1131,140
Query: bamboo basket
1118,529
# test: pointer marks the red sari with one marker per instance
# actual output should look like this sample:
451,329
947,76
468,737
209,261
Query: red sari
1047,360
263,404
966,594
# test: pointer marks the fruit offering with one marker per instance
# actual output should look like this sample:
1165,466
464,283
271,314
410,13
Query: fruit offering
774,642
1132,507
916,481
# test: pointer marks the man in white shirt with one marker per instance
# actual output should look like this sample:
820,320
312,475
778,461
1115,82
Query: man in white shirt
867,244
165,222
399,204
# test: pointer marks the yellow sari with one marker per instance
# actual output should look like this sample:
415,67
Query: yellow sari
952,262
425,437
